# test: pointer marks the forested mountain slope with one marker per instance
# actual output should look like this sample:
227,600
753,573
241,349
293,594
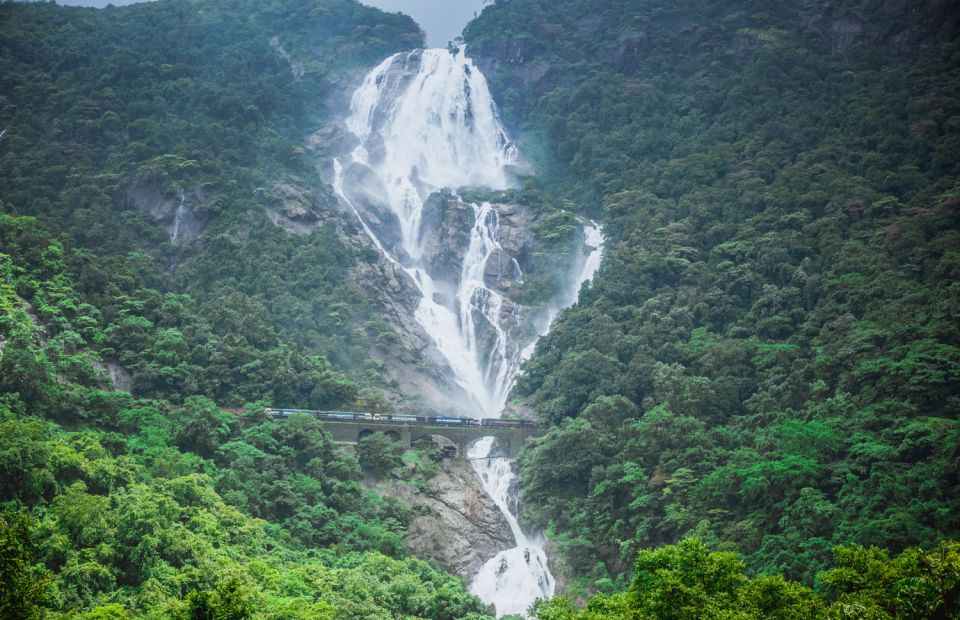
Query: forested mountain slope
142,151
768,358
166,141
119,507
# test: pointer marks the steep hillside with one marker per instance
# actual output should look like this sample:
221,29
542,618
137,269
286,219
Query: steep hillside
174,135
119,507
167,246
768,358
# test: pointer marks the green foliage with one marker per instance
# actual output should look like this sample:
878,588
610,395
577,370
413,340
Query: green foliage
129,525
22,588
379,452
171,347
145,509
868,583
203,102
686,581
227,602
775,319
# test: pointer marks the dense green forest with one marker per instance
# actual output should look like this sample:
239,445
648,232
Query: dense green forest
687,582
109,113
159,504
753,410
768,358
114,506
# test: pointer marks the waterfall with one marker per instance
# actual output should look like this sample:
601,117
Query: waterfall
179,217
474,297
426,122
515,577
593,236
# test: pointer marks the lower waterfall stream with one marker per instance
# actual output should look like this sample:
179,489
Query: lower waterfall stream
515,577
425,121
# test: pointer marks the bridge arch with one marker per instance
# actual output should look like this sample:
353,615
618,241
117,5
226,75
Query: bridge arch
442,440
391,433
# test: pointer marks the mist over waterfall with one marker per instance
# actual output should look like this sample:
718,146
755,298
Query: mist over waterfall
426,121
515,577
427,127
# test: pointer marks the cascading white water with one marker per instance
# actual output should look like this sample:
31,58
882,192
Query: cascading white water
426,121
474,296
515,577
593,236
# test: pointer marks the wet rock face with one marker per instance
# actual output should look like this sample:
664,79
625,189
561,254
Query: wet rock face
457,523
114,376
334,137
368,196
505,271
445,231
412,362
181,215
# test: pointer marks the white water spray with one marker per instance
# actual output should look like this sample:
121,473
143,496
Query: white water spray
593,236
426,121
515,577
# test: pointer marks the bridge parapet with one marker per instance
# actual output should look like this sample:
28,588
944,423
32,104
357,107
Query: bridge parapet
509,439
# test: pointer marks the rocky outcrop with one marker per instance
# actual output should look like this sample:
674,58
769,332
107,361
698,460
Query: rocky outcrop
294,208
505,269
445,232
562,574
416,375
412,368
119,377
181,214
296,67
898,26
332,138
368,196
456,523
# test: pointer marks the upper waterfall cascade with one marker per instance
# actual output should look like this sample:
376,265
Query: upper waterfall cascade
426,123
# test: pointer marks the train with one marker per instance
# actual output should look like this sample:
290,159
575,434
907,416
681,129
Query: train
398,418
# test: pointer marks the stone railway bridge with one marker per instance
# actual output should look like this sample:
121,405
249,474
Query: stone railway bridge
509,439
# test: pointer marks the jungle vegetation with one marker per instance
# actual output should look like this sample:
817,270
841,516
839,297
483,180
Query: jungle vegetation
152,501
768,357
117,506
753,409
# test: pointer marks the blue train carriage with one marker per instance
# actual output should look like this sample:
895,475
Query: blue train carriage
342,415
448,420
505,423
